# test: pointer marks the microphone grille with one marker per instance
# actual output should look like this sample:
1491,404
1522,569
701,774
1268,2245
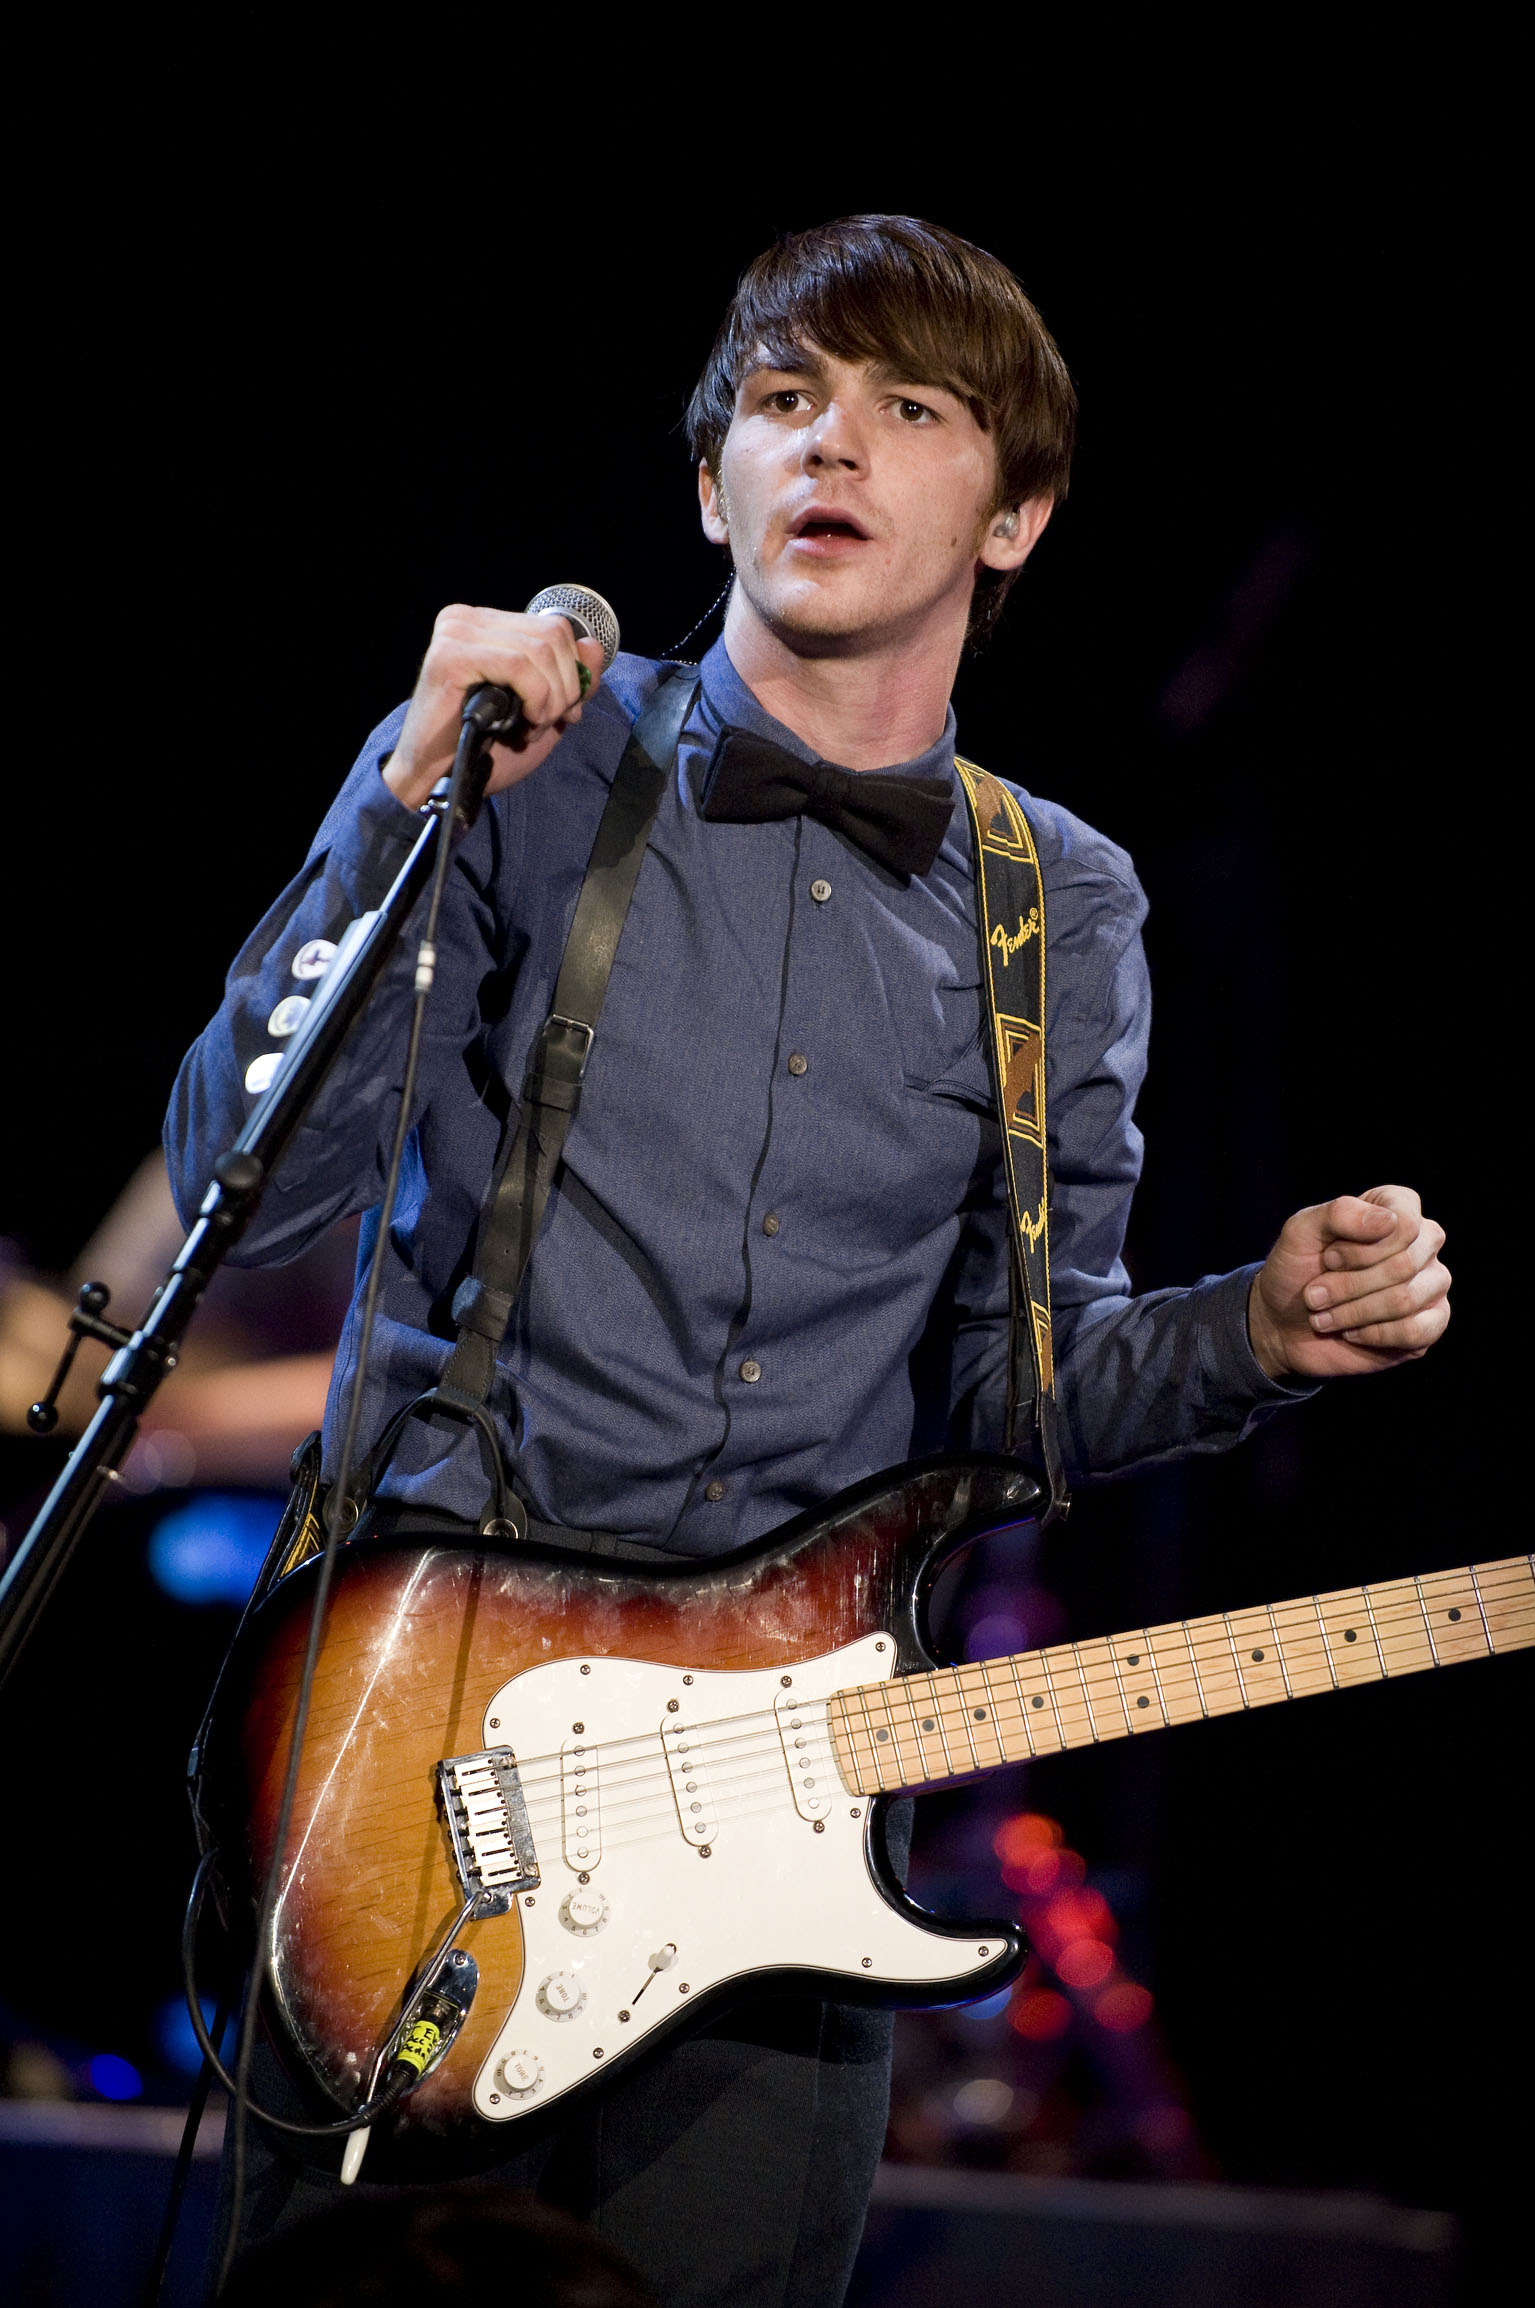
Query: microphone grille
585,609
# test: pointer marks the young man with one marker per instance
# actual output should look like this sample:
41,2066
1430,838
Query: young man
775,1259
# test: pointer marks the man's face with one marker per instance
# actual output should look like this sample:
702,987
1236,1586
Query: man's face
856,503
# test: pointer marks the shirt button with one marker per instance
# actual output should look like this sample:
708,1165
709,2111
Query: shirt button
770,1223
751,1371
714,1493
820,891
798,1063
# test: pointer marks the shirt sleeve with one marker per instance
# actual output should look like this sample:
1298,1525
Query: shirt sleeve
333,1165
1139,1380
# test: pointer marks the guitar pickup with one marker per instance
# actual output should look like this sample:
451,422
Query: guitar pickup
581,1806
696,1814
487,1818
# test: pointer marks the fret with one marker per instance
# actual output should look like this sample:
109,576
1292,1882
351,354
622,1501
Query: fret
1055,1704
926,1770
1506,1596
1031,1673
1140,1686
1452,1604
1231,1645
1316,1605
1111,1715
981,1726
1428,1624
1279,1652
1007,1712
1204,1704
840,1724
1177,1674
903,1739
936,1718
1350,1640
1256,1654
1087,1697
1023,1704
1400,1628
879,1764
963,1713
1303,1653
1374,1630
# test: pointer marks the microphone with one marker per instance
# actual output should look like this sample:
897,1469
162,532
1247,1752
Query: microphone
497,713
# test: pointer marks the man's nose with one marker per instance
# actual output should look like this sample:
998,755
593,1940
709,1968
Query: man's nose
835,438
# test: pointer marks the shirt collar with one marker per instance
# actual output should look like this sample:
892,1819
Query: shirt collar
730,704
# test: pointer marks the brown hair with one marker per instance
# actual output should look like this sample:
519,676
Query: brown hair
892,289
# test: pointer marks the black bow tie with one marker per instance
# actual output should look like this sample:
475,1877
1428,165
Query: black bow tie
901,821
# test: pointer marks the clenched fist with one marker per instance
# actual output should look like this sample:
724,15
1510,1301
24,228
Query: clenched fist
538,658
1350,1286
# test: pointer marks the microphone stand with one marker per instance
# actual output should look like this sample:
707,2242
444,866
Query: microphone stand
149,1354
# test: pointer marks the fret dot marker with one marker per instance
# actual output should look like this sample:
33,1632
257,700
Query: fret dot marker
1258,1655
928,1724
980,1714
1349,1635
1455,1614
1143,1701
883,1737
1037,1700
1133,1659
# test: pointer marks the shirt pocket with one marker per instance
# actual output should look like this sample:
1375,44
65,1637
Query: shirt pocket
943,1044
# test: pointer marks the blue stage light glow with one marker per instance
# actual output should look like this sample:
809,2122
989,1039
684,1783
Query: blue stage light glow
209,1549
114,2078
174,2040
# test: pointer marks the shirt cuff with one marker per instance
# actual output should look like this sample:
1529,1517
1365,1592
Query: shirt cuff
1227,1347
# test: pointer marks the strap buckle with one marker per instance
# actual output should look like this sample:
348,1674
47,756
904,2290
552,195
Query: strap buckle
574,1026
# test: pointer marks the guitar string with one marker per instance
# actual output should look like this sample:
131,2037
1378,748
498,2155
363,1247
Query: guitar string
617,1817
1083,1682
651,1788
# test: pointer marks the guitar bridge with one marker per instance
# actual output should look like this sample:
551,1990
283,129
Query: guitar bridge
487,1819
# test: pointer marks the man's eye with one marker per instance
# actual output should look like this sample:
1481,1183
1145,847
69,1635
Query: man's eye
913,412
788,399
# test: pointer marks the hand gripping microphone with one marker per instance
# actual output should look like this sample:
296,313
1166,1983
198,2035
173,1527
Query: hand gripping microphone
497,713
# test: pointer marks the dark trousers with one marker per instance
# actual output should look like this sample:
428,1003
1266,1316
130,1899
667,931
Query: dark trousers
733,2169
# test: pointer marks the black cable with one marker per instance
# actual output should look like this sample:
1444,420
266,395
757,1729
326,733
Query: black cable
470,743
184,2154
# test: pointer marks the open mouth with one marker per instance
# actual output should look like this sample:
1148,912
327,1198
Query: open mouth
826,525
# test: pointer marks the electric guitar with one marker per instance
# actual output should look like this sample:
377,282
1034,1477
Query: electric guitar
573,1802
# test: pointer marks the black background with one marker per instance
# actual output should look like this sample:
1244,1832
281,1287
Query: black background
276,416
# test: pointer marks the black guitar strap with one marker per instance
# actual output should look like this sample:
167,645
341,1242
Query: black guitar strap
1010,913
551,1094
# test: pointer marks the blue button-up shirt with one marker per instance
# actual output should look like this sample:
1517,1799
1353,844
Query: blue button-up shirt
776,1258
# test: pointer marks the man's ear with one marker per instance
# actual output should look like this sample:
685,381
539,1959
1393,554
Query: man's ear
1010,536
711,504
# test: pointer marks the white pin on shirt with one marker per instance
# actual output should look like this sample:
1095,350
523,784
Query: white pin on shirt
314,957
289,1015
259,1073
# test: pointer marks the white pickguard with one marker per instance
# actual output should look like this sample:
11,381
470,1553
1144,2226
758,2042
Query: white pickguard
704,1856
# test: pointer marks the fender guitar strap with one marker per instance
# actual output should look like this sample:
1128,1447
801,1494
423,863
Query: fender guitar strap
1010,913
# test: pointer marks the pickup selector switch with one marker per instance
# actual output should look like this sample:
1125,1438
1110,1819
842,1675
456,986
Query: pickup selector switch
584,1912
520,2073
561,1995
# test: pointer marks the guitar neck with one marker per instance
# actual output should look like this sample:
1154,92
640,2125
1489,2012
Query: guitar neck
919,1730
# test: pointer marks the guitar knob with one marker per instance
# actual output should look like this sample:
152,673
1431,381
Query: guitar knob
561,1995
520,2073
584,1912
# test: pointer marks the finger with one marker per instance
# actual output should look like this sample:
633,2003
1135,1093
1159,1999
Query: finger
1351,1219
1413,1335
1377,1268
1400,1302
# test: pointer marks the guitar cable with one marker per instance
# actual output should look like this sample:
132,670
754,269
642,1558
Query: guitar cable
471,742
